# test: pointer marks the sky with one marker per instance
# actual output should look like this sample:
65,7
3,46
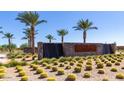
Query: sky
110,26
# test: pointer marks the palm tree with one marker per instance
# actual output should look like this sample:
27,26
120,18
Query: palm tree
9,36
84,25
50,38
62,33
30,19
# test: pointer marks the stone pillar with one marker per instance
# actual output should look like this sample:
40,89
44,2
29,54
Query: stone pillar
40,50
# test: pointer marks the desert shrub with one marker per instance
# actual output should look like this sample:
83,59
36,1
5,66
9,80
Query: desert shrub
12,63
114,69
2,75
117,63
48,67
105,79
77,69
62,59
44,64
100,71
19,68
24,78
86,75
108,64
35,67
2,71
35,62
71,63
79,64
43,75
55,63
39,70
77,58
68,67
60,72
71,77
51,79
54,69
88,67
80,61
61,65
89,63
45,60
122,67
120,76
22,73
22,63
19,56
66,62
100,65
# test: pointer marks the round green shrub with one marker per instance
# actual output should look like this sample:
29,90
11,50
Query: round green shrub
48,67
68,67
86,75
55,63
117,63
89,63
2,71
114,69
44,64
101,71
79,64
54,69
88,67
108,64
60,72
39,70
80,61
61,65
2,75
77,69
120,76
43,75
71,63
100,65
19,68
71,77
24,78
22,73
105,79
51,79
35,67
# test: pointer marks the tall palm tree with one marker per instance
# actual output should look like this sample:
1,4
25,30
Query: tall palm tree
50,38
30,19
9,36
84,25
62,33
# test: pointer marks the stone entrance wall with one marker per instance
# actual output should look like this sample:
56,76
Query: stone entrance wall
81,49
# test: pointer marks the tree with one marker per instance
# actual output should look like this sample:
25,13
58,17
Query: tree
23,45
50,38
9,36
84,25
30,19
62,33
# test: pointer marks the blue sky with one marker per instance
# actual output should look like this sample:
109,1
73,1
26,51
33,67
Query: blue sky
110,26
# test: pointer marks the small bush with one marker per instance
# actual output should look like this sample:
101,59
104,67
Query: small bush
88,67
19,68
101,71
44,64
51,79
61,65
48,67
79,64
89,63
80,61
60,72
2,75
55,63
117,64
54,69
39,70
120,76
77,69
71,77
68,67
22,73
2,71
100,65
108,64
19,56
71,63
24,78
86,75
105,79
114,69
43,75
35,67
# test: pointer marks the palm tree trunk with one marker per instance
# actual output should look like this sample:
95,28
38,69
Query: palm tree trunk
33,41
84,36
62,40
49,40
9,43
